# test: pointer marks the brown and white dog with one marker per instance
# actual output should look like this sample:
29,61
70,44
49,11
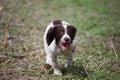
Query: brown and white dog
59,39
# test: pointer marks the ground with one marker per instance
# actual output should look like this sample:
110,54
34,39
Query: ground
22,25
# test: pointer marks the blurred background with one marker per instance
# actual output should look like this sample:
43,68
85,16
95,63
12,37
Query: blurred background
22,25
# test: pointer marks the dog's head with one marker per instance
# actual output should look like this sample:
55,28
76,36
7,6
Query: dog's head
63,35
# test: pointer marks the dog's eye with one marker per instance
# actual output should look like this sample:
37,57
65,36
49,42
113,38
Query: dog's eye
62,31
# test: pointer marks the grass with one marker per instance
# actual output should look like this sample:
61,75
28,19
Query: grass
22,25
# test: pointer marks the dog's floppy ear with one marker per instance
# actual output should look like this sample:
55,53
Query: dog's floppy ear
50,36
74,29
71,31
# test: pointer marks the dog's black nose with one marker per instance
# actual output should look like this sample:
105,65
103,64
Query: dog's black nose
67,39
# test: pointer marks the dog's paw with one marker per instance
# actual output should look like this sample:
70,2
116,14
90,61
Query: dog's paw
57,72
47,66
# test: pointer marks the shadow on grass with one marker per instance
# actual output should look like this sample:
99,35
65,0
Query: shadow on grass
76,71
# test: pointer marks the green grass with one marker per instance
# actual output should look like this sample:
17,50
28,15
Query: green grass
98,38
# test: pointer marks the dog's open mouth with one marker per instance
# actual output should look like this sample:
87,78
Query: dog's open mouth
65,46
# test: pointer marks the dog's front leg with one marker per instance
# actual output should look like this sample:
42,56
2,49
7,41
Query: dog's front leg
69,59
52,60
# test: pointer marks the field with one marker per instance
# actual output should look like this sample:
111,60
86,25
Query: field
22,25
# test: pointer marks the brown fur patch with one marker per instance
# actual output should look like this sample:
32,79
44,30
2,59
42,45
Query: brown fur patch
50,36
56,22
59,32
47,66
71,31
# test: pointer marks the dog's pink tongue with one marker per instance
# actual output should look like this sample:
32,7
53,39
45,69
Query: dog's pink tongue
66,45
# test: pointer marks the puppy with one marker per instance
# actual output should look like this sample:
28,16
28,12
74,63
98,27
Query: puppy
59,40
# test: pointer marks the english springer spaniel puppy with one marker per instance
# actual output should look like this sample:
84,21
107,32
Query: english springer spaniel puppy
59,40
